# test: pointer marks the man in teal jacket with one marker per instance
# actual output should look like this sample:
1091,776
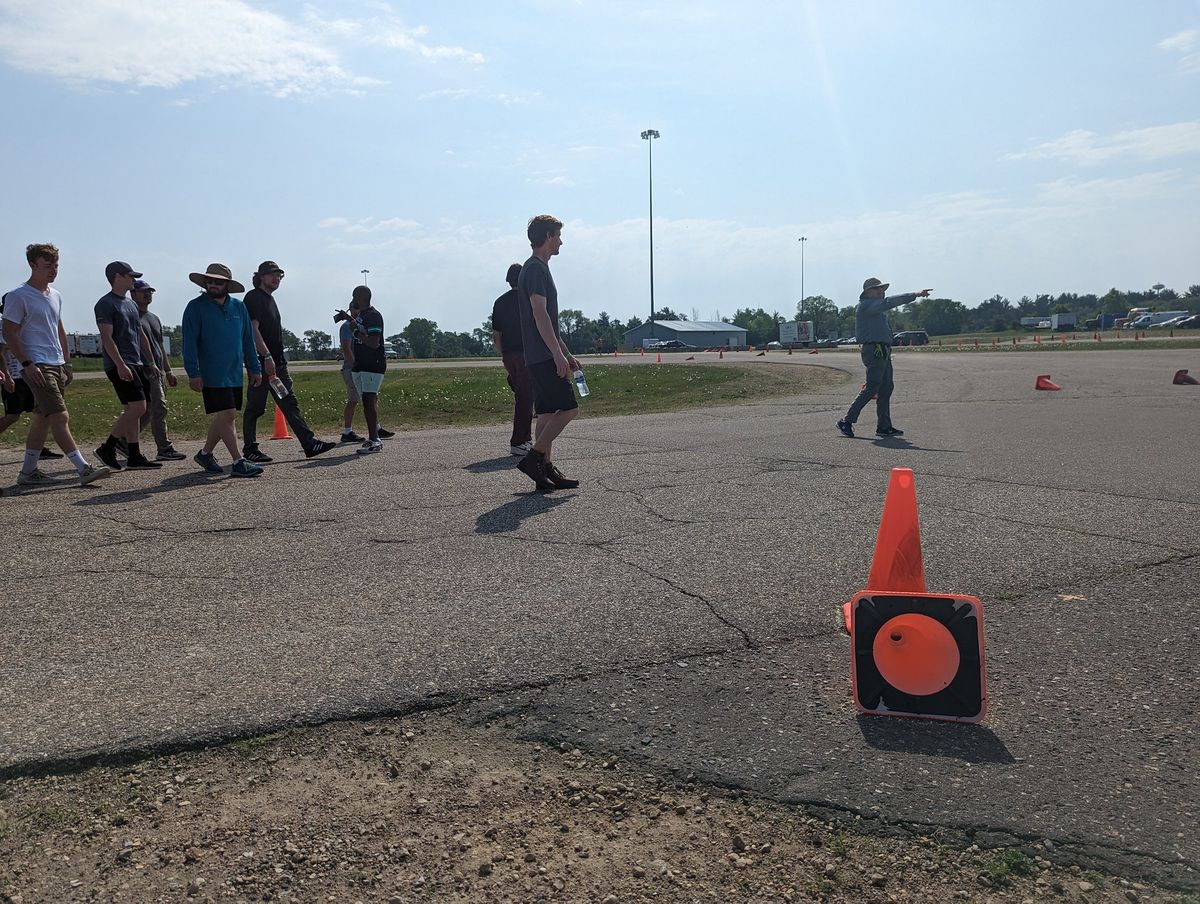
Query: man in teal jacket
874,333
217,343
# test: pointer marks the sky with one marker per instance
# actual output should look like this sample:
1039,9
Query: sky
1012,148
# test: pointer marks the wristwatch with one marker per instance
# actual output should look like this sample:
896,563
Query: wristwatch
26,363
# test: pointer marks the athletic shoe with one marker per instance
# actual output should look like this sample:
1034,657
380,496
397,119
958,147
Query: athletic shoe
170,454
533,466
35,478
384,434
846,429
560,480
208,462
90,473
319,447
353,437
109,457
49,453
245,468
142,463
521,450
256,455
889,431
370,446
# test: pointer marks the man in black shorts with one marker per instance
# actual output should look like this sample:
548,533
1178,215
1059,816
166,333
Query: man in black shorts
217,342
546,356
128,364
506,336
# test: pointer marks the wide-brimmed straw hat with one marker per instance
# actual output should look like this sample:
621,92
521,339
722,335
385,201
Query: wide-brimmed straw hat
217,271
874,283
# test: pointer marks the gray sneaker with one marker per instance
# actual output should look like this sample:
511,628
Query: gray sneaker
35,478
93,472
245,468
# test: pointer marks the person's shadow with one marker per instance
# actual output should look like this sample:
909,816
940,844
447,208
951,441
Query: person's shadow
898,442
492,464
508,517
930,737
178,482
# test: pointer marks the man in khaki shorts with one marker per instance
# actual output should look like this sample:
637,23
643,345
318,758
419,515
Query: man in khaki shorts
35,335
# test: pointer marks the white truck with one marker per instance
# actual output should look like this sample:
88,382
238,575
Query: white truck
85,345
796,332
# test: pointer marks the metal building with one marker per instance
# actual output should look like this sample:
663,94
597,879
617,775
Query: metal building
697,333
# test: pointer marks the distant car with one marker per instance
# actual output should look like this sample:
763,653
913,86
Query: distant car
774,344
674,343
1170,324
827,343
389,351
1189,323
911,337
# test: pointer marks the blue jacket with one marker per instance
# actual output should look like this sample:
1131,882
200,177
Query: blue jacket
218,341
870,321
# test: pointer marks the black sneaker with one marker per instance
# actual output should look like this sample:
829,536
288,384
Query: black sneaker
353,437
109,457
560,480
49,453
170,454
846,429
319,447
142,463
889,431
533,465
384,434
256,455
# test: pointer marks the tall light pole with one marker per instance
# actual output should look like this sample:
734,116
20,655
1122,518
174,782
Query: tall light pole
803,242
649,135
364,275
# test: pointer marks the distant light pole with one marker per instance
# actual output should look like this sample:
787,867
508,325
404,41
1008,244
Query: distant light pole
803,242
364,275
649,135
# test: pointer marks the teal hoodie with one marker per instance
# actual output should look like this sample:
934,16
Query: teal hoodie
218,342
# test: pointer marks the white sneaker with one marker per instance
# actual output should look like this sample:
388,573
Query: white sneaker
93,472
520,450
35,478
370,446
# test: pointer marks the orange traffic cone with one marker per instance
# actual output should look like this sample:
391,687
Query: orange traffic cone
760,354
913,653
690,358
281,428
643,352
1182,379
659,361
1044,382
721,355
813,351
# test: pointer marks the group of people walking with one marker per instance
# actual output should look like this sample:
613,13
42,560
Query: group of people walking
223,337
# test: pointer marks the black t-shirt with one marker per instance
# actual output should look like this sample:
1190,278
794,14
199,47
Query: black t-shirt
535,279
506,320
262,307
366,359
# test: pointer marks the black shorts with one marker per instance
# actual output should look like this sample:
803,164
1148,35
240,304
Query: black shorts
222,398
20,400
135,390
551,392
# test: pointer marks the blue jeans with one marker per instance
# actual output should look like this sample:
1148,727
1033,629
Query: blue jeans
879,382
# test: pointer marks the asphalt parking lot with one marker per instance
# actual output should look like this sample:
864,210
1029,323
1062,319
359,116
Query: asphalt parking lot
681,609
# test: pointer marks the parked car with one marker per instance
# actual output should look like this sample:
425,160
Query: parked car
674,343
1170,324
389,351
1189,323
911,337
826,343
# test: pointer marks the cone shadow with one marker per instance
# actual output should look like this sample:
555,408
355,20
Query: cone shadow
971,743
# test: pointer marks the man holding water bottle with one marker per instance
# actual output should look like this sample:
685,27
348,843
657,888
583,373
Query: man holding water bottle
549,363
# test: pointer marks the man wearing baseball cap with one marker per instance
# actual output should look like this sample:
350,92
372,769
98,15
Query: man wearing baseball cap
128,364
156,404
874,332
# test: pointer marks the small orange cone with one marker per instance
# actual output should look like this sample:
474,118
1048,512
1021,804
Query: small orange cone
760,354
281,430
659,361
1182,379
1044,382
721,354
643,351
690,358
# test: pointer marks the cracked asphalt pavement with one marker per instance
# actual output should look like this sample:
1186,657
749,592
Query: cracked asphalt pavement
681,609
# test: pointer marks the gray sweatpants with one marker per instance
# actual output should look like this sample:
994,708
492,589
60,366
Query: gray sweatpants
156,412
879,382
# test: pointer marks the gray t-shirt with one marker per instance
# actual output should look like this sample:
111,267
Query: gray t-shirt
122,313
153,327
535,279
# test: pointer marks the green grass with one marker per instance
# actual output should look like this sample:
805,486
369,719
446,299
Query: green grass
415,398
1009,862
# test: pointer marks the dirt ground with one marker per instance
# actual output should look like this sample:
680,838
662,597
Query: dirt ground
427,808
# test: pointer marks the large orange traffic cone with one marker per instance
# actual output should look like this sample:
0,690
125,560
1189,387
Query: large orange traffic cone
913,653
281,428
1182,379
1044,382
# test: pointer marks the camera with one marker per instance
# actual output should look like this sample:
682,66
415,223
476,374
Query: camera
339,316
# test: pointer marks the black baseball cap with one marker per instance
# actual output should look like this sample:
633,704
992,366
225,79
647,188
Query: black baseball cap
120,268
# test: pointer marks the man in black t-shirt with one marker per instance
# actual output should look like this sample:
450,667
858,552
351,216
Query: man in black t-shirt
370,360
268,339
506,336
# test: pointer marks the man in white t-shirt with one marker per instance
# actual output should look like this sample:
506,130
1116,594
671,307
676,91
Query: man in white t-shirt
35,336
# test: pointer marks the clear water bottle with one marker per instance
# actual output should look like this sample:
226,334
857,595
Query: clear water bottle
278,387
581,383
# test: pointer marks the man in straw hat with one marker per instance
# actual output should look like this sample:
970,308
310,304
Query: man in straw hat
218,342
874,333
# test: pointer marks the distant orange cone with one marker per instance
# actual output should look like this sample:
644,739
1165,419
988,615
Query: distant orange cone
1044,382
643,351
721,354
659,361
1182,379
760,354
281,428
690,358
812,351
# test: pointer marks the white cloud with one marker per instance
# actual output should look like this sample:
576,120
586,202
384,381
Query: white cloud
332,222
393,35
507,100
1089,149
1187,45
1093,193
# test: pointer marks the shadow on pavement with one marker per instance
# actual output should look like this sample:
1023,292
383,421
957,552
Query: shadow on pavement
492,464
324,461
895,442
972,743
192,479
509,516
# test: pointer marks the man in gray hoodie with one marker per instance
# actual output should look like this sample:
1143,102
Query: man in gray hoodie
872,330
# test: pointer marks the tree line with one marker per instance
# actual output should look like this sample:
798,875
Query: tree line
422,338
